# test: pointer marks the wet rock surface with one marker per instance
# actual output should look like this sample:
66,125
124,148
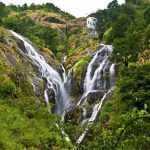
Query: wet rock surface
74,115
95,96
38,86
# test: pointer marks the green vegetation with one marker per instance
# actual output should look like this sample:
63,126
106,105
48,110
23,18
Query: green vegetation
48,27
127,28
80,66
23,20
40,35
22,114
25,122
125,117
79,40
7,87
124,122
20,123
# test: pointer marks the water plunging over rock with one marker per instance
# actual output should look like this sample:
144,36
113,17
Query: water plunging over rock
53,79
97,84
97,75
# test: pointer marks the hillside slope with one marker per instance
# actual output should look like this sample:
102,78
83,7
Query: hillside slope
22,107
47,27
123,122
21,88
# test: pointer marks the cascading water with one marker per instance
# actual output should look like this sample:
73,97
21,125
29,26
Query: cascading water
100,63
100,77
53,79
96,72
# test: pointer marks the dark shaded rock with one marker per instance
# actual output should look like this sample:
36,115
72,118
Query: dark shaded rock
89,112
21,45
74,87
53,20
93,97
51,96
60,70
82,79
38,86
50,92
73,115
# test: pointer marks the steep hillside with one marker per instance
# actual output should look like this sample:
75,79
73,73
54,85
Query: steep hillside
55,34
48,27
52,30
125,117
75,78
22,105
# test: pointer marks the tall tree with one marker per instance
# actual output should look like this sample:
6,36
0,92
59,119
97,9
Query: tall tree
113,4
3,10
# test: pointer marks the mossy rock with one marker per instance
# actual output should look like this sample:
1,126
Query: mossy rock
80,66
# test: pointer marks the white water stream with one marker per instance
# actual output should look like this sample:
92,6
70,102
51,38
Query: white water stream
54,80
96,80
96,72
100,76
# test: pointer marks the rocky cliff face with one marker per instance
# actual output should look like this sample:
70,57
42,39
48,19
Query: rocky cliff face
12,61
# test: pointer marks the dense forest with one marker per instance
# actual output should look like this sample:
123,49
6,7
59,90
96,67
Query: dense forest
124,120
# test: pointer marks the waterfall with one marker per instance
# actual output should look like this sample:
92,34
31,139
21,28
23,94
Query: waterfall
96,109
102,62
100,77
53,79
97,71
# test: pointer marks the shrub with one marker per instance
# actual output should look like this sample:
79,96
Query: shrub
7,87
